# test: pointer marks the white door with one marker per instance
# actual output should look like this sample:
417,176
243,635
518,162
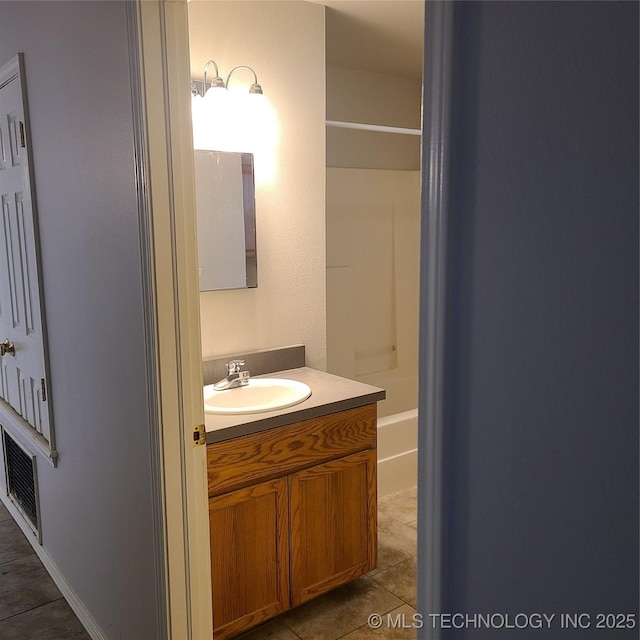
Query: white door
22,367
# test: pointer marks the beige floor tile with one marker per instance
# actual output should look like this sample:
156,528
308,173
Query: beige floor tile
13,544
401,506
24,585
275,630
340,611
396,542
399,624
400,580
53,621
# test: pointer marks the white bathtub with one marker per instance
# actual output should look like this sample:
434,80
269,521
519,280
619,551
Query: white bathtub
397,452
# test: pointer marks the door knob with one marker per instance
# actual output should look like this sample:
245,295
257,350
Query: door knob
7,347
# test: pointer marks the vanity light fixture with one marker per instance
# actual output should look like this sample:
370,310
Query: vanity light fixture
225,120
216,83
234,119
255,87
199,87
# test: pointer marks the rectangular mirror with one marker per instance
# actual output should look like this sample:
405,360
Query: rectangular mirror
226,213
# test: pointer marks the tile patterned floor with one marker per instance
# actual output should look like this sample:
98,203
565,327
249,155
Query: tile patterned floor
32,607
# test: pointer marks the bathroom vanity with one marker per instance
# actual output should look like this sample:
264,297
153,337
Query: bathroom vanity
292,500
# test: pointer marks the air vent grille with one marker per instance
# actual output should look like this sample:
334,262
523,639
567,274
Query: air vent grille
21,478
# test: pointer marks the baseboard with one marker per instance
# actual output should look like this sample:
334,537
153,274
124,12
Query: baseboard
86,619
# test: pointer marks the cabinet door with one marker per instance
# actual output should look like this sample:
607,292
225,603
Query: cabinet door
249,556
333,524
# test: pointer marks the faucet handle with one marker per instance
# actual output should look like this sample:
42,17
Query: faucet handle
234,366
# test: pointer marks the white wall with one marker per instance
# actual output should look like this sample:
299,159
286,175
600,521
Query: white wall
284,43
96,509
372,98
375,98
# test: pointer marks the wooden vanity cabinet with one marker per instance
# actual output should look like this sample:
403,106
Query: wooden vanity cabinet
250,556
292,514
332,511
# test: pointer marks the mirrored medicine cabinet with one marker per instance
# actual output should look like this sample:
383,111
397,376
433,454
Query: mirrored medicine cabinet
226,217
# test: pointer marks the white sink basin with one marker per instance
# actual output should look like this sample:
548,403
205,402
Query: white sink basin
261,394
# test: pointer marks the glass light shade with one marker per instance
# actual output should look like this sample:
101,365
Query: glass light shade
239,121
215,93
214,133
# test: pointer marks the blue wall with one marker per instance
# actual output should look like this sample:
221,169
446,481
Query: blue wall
543,344
97,506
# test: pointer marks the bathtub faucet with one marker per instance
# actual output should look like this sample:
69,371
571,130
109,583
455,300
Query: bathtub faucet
235,377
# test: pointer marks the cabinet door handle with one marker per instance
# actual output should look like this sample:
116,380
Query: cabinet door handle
7,347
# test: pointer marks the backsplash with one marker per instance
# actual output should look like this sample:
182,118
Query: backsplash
256,362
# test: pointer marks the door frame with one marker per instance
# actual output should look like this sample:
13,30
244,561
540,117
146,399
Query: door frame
437,101
163,146
159,46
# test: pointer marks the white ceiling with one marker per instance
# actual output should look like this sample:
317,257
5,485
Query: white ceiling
383,36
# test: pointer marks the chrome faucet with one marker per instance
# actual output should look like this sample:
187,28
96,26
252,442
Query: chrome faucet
235,377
